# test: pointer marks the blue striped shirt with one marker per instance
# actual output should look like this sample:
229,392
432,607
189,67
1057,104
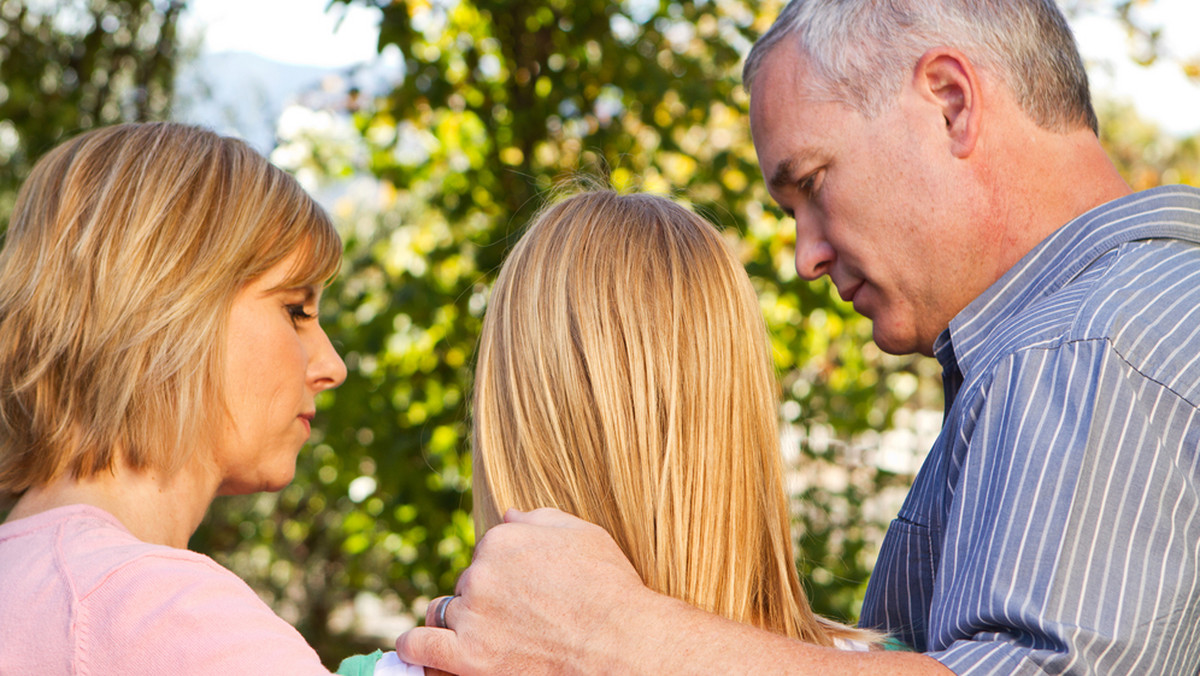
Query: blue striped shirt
1055,525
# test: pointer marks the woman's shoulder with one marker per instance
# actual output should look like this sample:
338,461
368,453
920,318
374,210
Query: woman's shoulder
97,566
103,601
90,545
181,611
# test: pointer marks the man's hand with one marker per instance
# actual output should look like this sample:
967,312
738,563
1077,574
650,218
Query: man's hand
547,593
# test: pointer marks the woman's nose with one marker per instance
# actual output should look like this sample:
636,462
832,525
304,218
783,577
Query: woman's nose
327,370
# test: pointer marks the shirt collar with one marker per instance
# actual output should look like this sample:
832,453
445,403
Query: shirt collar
1165,212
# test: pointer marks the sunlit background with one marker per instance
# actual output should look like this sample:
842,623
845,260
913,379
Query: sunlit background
312,37
431,130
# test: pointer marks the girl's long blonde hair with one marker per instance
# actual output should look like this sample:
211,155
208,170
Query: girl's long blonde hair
625,376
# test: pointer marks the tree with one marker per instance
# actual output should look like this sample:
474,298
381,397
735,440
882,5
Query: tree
1144,38
1144,155
501,103
70,65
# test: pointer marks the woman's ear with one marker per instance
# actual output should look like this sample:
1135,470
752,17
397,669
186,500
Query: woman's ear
947,79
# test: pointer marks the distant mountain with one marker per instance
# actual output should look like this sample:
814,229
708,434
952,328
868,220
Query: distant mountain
239,93
242,94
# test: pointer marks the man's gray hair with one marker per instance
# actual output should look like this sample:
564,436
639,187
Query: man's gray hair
860,51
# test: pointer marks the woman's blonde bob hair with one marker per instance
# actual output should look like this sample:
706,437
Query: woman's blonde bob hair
125,249
625,377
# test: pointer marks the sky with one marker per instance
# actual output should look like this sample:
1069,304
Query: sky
301,32
1160,92
298,32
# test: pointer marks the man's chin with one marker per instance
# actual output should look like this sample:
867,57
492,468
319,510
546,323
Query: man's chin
900,343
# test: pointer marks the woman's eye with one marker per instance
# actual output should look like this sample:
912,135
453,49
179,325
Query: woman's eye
298,313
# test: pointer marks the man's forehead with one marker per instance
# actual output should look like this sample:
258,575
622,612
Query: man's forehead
786,66
785,94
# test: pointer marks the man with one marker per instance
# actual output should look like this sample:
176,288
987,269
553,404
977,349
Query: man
941,161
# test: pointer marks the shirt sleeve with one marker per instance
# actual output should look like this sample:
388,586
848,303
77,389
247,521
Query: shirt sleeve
1074,528
184,614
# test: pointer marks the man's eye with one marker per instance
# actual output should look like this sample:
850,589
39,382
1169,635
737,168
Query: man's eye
808,184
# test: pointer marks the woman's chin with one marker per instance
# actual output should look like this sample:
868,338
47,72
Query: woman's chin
247,485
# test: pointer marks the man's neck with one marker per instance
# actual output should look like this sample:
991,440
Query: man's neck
1064,176
1027,183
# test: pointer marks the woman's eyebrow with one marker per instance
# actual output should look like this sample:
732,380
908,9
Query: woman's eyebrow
309,291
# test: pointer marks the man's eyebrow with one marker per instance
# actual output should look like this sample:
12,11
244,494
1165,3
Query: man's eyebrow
785,171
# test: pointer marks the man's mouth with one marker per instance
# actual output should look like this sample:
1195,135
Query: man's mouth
849,294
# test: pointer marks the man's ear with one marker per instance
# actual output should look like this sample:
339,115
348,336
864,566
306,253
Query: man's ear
946,78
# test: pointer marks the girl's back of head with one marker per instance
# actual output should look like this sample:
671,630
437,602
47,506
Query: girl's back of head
625,377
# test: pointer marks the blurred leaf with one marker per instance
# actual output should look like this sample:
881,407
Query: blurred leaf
70,65
501,101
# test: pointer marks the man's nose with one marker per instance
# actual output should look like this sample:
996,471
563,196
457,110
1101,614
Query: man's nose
814,255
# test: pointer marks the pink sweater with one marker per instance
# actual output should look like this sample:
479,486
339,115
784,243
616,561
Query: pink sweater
79,594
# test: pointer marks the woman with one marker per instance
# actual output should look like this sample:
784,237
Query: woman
159,346
625,377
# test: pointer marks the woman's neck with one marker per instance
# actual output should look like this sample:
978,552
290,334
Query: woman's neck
155,507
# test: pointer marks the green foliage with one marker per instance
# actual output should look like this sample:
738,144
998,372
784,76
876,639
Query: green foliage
1143,154
69,65
500,102
1144,38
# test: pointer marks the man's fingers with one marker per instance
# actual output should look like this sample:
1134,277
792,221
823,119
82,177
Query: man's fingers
431,647
437,613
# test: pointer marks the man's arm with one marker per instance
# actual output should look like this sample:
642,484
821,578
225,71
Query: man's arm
549,593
